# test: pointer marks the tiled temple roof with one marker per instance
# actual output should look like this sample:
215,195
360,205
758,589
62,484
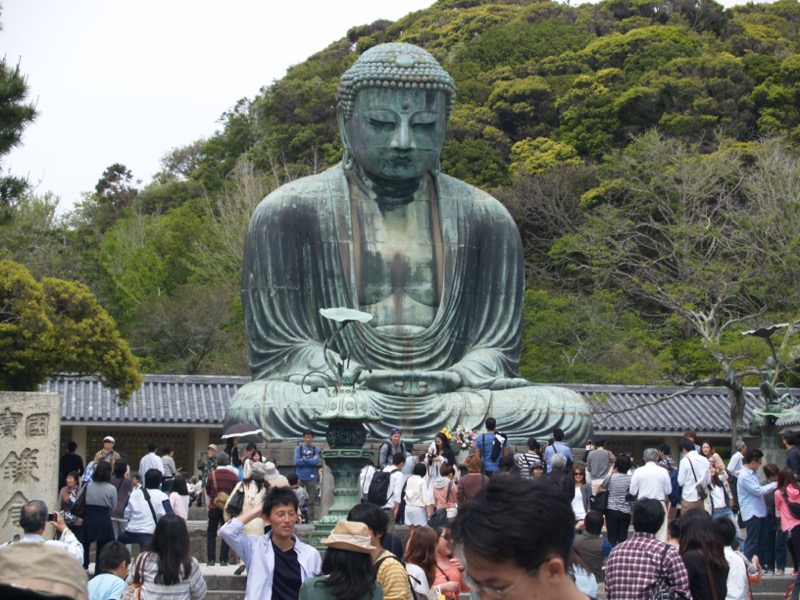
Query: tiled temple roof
201,400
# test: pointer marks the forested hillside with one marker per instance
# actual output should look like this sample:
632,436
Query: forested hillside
647,149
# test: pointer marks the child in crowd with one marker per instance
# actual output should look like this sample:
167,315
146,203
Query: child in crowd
113,564
302,495
136,481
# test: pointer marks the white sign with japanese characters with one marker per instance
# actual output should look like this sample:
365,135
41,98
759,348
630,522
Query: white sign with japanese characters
29,441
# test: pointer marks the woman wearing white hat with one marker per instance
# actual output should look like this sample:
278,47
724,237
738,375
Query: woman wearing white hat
273,477
347,567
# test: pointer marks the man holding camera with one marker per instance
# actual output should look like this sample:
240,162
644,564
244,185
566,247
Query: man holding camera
34,518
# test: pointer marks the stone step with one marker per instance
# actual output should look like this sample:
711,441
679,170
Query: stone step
222,578
198,513
230,595
772,584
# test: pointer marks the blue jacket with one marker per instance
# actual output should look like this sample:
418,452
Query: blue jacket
306,460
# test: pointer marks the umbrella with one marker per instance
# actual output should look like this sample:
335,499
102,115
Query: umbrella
242,430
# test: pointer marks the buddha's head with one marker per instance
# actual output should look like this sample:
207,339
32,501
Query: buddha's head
393,106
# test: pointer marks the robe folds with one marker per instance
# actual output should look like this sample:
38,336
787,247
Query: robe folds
300,257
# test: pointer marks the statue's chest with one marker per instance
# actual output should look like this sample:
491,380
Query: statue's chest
396,262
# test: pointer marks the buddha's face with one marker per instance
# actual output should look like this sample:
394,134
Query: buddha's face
396,134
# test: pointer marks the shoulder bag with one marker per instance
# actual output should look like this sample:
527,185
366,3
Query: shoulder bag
220,498
133,591
236,501
149,504
80,503
699,487
439,516
661,591
794,507
599,501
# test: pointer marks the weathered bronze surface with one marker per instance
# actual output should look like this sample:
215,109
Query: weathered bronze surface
435,261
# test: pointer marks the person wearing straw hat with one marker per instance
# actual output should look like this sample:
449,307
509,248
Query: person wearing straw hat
388,566
33,570
347,571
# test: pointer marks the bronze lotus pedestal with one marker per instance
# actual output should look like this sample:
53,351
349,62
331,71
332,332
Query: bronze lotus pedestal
346,411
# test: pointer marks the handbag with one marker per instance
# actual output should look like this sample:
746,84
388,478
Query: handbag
794,507
699,488
80,503
235,503
661,592
599,501
439,516
133,591
221,498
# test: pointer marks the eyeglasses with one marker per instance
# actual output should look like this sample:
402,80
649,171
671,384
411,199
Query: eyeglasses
500,592
578,473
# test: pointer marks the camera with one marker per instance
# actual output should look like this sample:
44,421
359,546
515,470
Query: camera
52,516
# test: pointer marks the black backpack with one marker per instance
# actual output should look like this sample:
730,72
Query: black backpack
497,444
378,492
400,519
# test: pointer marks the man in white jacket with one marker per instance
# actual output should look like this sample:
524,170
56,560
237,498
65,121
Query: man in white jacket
277,560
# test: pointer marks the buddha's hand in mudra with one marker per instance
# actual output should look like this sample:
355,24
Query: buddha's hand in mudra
412,383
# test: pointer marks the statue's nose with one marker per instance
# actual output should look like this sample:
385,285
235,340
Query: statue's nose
403,137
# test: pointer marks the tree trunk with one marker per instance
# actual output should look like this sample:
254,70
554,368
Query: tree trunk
736,396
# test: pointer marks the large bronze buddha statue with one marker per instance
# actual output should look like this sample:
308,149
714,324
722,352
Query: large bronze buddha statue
435,261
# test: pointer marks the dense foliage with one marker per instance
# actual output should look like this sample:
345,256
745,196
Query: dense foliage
16,113
648,150
57,326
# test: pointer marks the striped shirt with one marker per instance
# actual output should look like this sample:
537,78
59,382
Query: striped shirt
193,588
526,462
393,577
618,486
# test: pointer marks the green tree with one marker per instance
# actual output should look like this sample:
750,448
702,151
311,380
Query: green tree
572,338
113,193
702,239
547,207
38,237
185,332
26,334
539,155
86,339
58,327
15,115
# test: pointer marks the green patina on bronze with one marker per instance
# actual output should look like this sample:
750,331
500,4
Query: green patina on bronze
437,263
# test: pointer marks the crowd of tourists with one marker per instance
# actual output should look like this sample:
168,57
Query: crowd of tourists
509,526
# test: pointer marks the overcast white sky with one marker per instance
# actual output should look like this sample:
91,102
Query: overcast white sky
127,80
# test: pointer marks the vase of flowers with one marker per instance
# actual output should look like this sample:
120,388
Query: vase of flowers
463,442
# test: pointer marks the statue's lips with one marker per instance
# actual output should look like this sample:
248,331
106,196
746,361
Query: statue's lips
404,158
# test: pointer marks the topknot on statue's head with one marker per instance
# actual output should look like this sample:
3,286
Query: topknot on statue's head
395,66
